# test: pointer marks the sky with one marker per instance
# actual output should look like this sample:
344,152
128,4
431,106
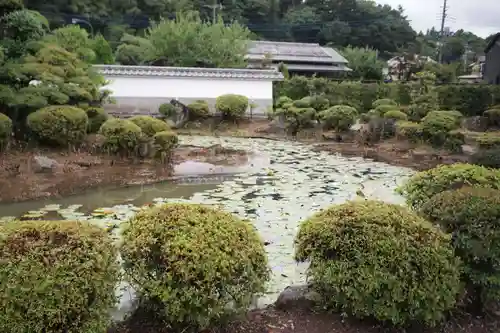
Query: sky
479,17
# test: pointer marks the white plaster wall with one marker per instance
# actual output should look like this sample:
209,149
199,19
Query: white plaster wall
143,95
199,88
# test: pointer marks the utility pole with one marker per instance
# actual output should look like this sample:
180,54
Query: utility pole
444,15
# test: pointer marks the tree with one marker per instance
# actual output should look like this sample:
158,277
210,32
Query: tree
364,63
187,41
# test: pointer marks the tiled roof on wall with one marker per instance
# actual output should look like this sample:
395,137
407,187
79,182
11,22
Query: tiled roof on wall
157,71
284,51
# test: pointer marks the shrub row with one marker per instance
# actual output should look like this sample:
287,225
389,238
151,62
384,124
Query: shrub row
65,125
469,99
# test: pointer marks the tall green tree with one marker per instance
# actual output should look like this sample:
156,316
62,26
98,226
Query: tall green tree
364,63
189,42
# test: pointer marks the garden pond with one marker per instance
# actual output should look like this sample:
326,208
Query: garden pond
284,183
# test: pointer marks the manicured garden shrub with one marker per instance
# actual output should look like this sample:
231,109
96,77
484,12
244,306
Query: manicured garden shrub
382,109
339,117
56,277
425,184
281,101
436,126
197,264
121,135
319,103
493,116
232,106
379,260
489,140
164,143
167,110
62,125
150,125
410,131
97,116
366,117
454,141
472,215
396,115
384,101
5,130
421,106
303,103
199,110
488,158
470,99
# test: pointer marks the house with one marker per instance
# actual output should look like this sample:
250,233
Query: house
476,72
142,89
299,58
399,67
491,69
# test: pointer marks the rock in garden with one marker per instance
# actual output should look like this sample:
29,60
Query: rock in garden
297,297
44,164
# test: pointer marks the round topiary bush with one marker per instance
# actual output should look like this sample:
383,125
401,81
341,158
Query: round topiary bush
319,103
199,110
384,101
472,215
488,158
164,143
395,115
232,106
56,277
59,124
197,264
150,125
5,130
121,135
303,103
382,109
437,124
339,117
167,110
379,260
97,116
488,140
425,184
409,130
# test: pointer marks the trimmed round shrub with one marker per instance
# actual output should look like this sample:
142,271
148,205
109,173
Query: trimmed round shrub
366,117
379,260
56,276
396,115
167,110
409,130
231,105
384,101
5,130
121,135
437,124
488,140
493,117
339,117
62,125
164,143
454,141
97,116
319,103
472,215
150,125
382,109
488,158
199,110
453,113
303,103
195,263
425,184
282,101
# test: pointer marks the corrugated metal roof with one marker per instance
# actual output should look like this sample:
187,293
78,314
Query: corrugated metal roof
284,51
156,71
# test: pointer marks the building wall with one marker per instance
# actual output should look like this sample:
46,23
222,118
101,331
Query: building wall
143,95
492,66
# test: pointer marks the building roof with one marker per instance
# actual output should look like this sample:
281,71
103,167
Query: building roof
215,73
289,52
320,67
492,42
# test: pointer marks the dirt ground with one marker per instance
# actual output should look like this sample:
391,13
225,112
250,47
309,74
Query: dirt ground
22,178
274,321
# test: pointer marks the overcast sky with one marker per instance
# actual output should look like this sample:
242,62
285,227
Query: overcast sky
480,17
